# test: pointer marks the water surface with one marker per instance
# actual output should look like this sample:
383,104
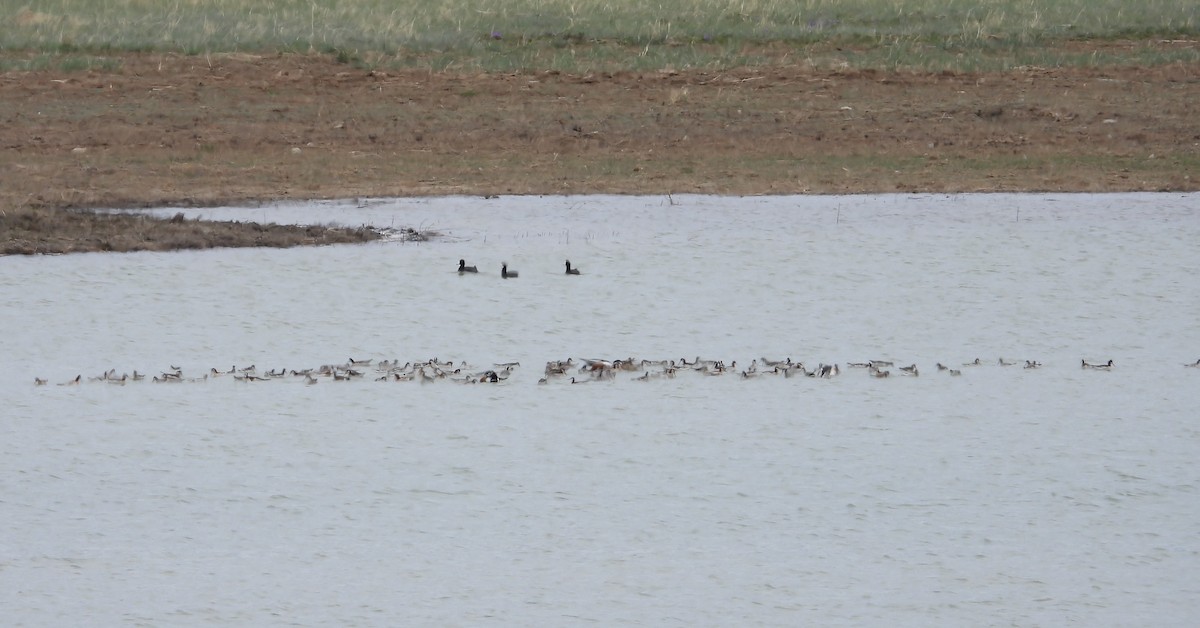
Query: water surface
1004,496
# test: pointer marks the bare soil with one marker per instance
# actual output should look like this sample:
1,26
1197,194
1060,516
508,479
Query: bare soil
202,130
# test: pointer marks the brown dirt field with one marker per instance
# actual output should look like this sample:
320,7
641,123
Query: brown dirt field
192,130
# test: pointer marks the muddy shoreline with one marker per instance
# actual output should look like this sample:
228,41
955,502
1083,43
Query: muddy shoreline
169,130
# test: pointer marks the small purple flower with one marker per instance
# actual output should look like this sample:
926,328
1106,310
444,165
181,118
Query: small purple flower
497,35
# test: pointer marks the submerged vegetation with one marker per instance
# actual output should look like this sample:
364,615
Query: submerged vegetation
602,35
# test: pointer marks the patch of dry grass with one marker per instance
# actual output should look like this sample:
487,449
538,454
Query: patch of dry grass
603,35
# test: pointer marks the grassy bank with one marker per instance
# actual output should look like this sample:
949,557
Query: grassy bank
601,35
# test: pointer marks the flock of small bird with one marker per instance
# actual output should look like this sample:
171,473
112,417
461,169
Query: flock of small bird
354,369
570,370
588,370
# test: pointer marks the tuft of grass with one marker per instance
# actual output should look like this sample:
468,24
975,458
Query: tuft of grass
60,62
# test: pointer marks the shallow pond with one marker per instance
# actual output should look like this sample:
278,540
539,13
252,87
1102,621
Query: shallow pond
1002,496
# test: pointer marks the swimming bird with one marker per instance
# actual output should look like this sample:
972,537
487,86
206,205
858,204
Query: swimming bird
595,365
37,381
1002,362
463,268
506,273
557,367
628,364
571,271
1195,364
1100,367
